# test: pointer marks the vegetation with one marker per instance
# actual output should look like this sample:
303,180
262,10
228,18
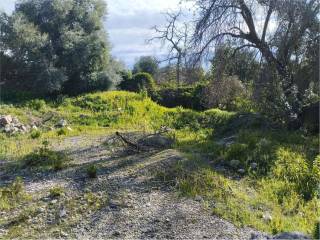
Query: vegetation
246,126
56,47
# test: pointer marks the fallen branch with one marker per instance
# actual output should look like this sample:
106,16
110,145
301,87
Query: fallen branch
135,146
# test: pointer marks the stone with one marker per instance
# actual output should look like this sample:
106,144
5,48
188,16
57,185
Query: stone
254,165
5,120
291,235
227,141
156,140
62,123
198,199
116,233
234,163
267,217
54,201
62,213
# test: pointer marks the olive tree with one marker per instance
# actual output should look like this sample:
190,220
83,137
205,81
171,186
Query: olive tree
277,29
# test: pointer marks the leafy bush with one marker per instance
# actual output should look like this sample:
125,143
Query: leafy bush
43,157
139,82
187,97
61,131
36,104
35,134
294,169
56,192
12,194
92,171
222,93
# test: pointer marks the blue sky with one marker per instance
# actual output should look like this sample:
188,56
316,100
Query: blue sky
129,24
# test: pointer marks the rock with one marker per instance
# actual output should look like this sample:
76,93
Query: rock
54,201
291,235
267,217
254,165
5,120
259,236
62,213
156,141
63,234
62,123
116,234
234,163
41,210
241,171
227,141
198,199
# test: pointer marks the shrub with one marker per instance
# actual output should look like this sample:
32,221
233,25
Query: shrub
139,82
43,157
92,171
36,104
293,168
62,131
35,134
12,194
56,192
187,97
316,234
222,93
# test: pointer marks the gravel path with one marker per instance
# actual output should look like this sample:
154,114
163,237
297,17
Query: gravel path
139,206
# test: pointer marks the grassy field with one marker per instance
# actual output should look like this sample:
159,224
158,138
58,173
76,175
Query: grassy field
274,185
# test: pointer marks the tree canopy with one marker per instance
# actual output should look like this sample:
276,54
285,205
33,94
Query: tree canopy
56,46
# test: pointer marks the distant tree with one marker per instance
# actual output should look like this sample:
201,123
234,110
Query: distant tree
175,36
146,64
59,45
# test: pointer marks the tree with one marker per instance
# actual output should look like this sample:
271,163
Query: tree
146,64
236,21
175,36
60,45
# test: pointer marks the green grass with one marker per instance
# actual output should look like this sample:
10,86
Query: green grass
285,183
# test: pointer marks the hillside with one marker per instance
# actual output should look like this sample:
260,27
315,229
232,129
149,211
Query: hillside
218,174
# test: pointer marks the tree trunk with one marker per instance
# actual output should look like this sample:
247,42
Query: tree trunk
178,70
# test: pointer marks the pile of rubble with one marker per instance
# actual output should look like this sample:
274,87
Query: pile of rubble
12,125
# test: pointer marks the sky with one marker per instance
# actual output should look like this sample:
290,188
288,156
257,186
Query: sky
129,24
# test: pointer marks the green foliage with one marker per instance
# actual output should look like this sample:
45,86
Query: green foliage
12,195
61,132
92,171
139,82
294,169
56,192
146,64
188,97
316,234
35,134
44,157
36,104
58,46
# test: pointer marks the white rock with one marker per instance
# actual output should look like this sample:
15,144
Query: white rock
4,120
267,217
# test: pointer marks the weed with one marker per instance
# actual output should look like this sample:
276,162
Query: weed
61,131
56,192
92,171
35,134
44,157
12,195
36,104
